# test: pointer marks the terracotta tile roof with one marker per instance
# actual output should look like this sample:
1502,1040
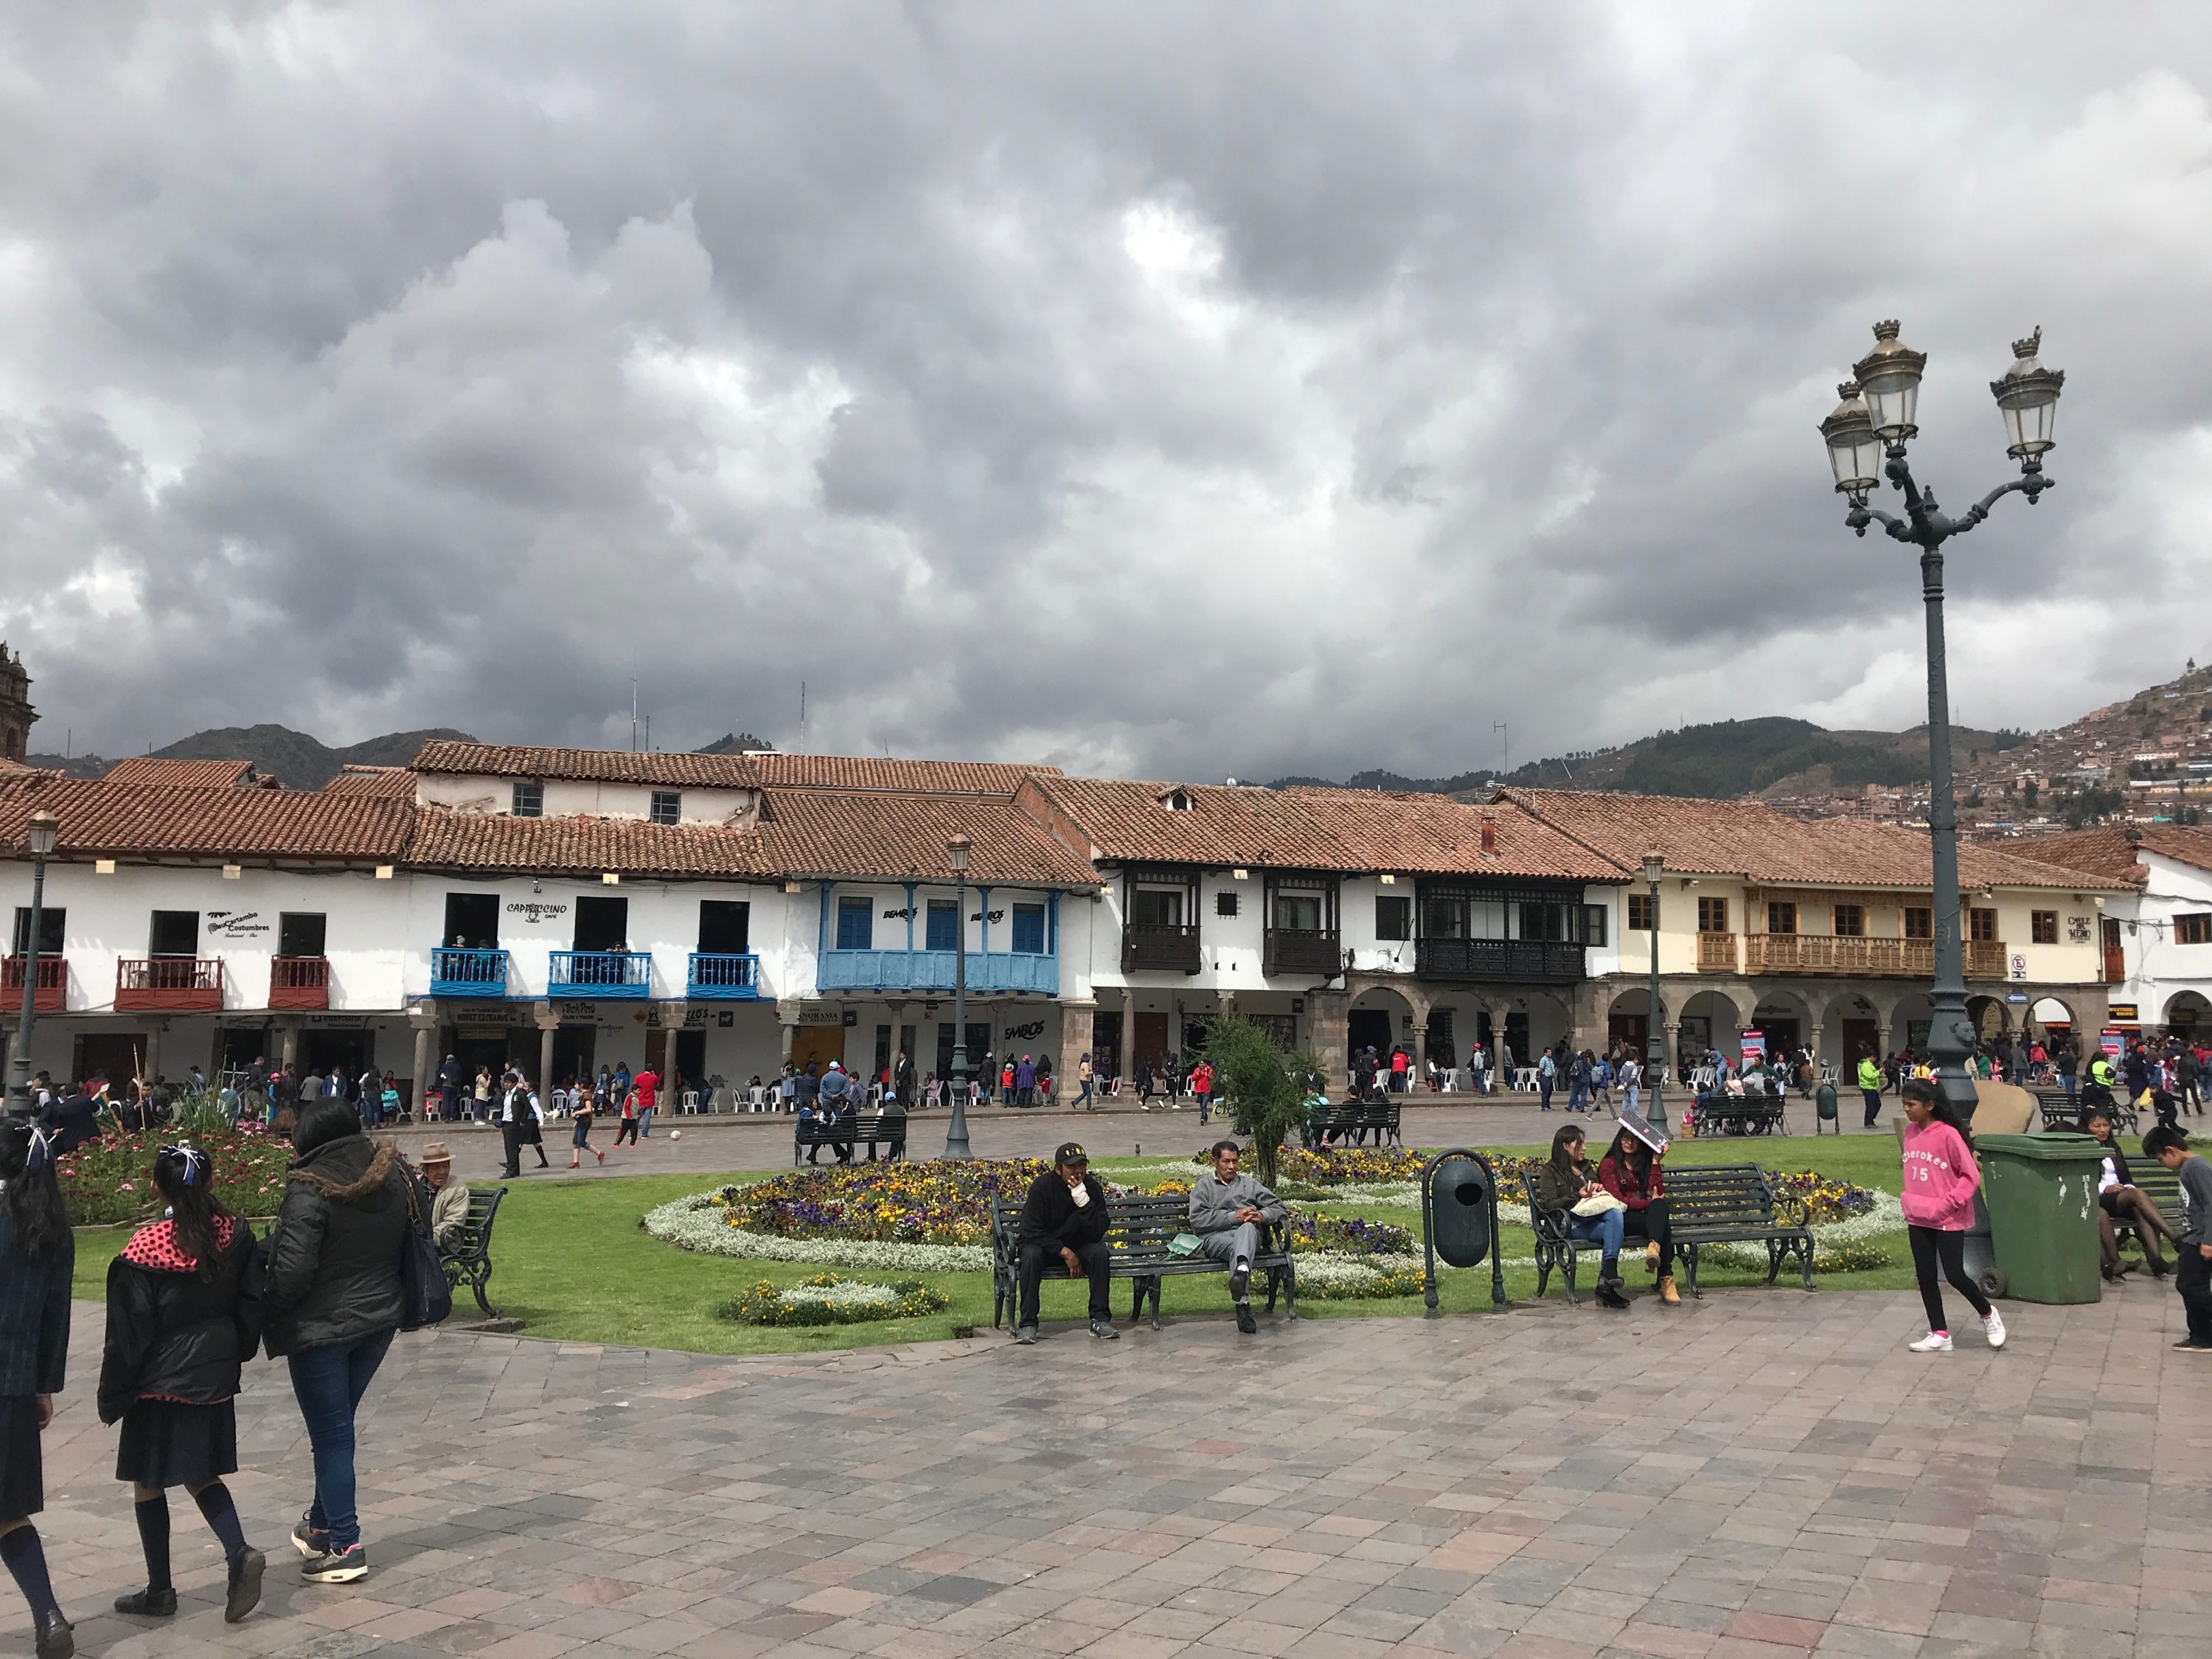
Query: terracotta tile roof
1754,841
881,772
389,782
1127,823
151,770
1435,834
2109,853
483,840
101,818
497,760
819,832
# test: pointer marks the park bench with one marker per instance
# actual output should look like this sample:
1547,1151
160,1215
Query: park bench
870,1129
1138,1229
1358,1119
2162,1186
1720,1112
1736,1204
2060,1113
470,1257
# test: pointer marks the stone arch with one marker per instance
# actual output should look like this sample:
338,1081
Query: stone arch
1381,1016
2051,1013
1988,1015
1628,1018
1786,1016
1852,1024
1910,1017
1714,1017
2187,1012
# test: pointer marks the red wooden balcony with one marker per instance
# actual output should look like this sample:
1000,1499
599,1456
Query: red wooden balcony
300,983
52,988
168,985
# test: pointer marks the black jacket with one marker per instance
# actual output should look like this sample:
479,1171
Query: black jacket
1049,1215
332,1272
35,1314
71,1122
171,1333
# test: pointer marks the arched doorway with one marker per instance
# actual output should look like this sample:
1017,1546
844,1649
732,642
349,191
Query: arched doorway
1711,1019
1989,1017
1909,1021
2188,1016
1628,1022
1783,1018
1379,1018
2051,1018
1850,1030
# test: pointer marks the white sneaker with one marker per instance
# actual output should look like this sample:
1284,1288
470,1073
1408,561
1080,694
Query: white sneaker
1994,1326
1934,1342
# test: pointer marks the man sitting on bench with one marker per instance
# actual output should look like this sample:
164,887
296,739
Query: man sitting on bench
1227,1210
1064,1218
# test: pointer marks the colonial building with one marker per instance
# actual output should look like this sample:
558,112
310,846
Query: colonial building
2156,931
16,714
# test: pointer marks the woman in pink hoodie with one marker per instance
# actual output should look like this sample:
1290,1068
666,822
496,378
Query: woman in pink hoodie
1941,1178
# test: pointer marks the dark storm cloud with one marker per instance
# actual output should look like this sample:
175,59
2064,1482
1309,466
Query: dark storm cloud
1168,390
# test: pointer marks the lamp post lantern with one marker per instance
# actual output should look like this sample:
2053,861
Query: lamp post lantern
1654,1043
955,1134
2027,399
43,835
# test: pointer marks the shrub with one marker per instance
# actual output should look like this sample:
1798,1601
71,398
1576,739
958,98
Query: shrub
827,1299
1258,1086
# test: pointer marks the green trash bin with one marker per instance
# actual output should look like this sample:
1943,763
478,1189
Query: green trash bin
2042,1196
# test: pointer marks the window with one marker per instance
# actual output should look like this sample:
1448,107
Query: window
667,806
530,800
1712,915
724,926
50,931
1851,921
1982,926
1224,902
1029,929
1642,908
2043,926
174,933
1176,800
2187,930
1157,907
471,921
299,933
1919,922
1394,917
941,932
602,924
1594,924
856,924
1299,913
1781,917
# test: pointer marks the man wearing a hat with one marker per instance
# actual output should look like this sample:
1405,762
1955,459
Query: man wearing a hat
1064,1221
450,1212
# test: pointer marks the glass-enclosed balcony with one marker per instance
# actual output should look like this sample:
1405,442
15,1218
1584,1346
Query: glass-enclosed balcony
993,971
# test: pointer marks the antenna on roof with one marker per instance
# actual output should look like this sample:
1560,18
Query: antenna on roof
632,713
802,717
1505,736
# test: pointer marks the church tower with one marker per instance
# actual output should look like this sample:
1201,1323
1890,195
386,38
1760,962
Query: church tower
16,711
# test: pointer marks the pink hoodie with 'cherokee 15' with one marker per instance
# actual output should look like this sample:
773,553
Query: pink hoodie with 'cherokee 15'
1940,1178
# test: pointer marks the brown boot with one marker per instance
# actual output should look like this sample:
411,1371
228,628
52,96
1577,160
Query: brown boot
1668,1293
1651,1257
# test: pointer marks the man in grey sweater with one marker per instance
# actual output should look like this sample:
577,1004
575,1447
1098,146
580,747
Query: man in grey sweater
1227,1210
2192,1257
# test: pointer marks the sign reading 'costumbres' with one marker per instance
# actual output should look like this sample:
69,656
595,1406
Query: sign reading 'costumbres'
234,923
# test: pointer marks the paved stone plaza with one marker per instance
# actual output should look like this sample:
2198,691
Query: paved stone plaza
1765,1473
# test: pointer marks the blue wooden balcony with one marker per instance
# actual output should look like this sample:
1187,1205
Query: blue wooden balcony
933,970
600,974
714,977
458,973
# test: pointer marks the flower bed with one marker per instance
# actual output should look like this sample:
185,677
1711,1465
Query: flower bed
110,1180
928,1203
826,1299
703,1224
1332,1277
1346,1166
1347,1235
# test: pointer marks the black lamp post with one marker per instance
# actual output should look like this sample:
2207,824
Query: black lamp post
43,835
955,1134
1655,1044
2027,398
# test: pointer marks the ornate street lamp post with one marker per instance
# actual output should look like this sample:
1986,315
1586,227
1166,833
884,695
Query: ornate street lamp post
1877,413
43,835
955,1135
1654,1043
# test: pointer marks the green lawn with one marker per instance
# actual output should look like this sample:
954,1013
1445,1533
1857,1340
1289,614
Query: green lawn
573,1265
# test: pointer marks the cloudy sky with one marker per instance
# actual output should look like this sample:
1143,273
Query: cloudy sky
1172,391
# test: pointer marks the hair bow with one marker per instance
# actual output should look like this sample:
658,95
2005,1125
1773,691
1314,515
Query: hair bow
193,1160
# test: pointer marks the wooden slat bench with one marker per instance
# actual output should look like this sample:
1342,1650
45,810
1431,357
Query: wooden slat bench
2060,1113
1138,1229
1736,1204
469,1258
1358,1120
2162,1186
1739,1115
870,1129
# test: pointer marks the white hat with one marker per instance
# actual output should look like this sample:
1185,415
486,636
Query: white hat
1653,1135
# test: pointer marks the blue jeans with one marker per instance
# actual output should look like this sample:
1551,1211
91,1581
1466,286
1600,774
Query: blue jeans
645,1120
1578,1096
1632,1088
329,1383
1604,1230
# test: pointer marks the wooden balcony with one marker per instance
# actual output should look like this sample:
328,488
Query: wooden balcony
1718,953
1825,953
168,985
47,997
1318,951
1166,947
1499,961
300,983
1985,958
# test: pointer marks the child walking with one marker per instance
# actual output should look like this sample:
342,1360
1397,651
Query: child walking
1941,1179
580,1137
628,1125
2192,1256
183,1313
37,1254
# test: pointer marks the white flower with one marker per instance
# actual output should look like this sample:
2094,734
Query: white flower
692,1224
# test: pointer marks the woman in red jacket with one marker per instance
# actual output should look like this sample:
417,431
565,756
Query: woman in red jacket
1631,1172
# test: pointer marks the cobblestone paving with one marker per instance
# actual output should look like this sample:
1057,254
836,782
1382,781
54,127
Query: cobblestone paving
1764,1474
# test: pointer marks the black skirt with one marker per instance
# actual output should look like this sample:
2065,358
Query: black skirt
22,1471
169,1444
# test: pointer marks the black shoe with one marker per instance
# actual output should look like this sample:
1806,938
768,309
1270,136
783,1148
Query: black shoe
1608,1294
335,1566
1026,1335
245,1592
56,1637
2192,1346
1240,1283
1245,1322
310,1539
148,1604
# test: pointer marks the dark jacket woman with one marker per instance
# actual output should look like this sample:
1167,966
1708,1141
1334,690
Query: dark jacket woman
1620,1176
1632,1173
172,1333
36,1255
1558,1182
333,1259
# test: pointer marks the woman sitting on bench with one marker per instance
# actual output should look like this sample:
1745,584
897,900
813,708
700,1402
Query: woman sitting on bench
1631,1171
2121,1203
1564,1181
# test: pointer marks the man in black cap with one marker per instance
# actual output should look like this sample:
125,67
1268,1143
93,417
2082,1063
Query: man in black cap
1064,1218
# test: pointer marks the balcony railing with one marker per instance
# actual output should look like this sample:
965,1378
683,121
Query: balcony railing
300,983
599,973
1511,960
1168,947
1318,951
1985,958
1718,954
722,977
933,970
1827,953
168,985
47,996
457,972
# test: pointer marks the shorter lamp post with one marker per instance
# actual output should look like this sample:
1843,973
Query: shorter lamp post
955,1134
1654,1045
44,834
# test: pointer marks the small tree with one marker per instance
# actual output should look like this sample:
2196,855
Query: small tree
1258,1085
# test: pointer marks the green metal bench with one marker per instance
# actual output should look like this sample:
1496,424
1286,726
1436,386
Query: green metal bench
1736,1204
469,1260
1138,1229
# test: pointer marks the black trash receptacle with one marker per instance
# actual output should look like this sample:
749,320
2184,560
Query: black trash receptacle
1824,1104
1459,1219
